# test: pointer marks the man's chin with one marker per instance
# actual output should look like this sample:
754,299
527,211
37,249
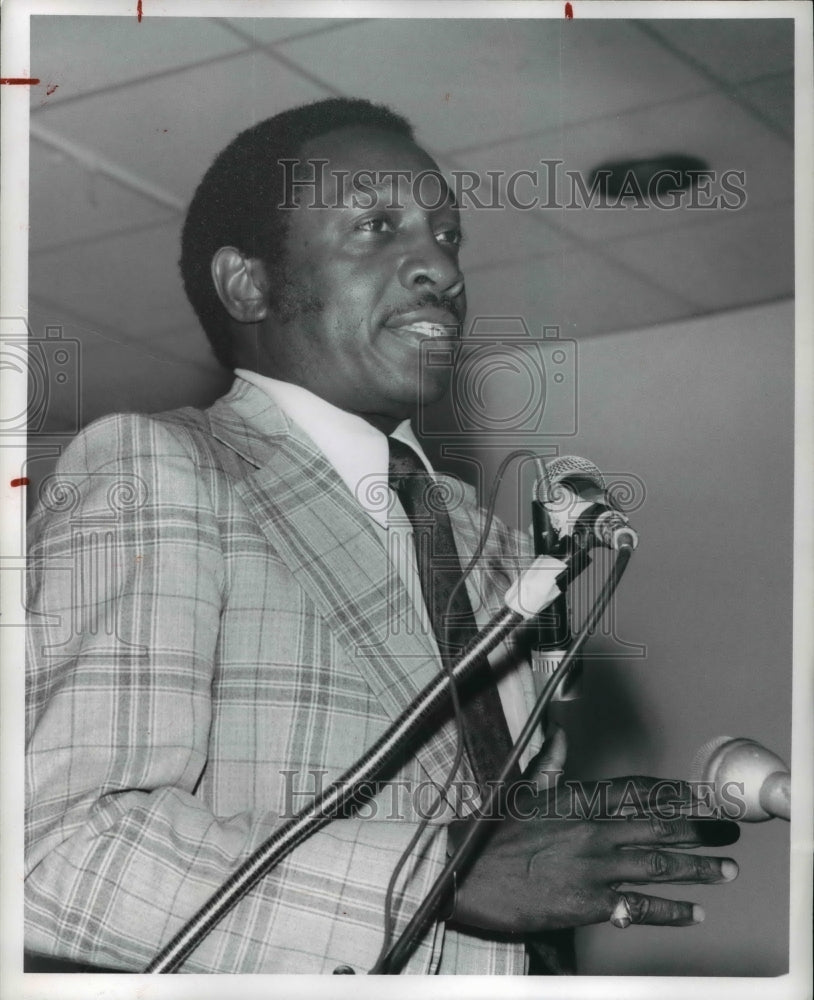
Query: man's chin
432,390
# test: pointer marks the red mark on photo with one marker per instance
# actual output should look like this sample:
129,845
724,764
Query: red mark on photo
139,11
51,88
569,12
20,81
22,481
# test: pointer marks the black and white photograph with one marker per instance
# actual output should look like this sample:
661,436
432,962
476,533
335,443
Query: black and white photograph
406,447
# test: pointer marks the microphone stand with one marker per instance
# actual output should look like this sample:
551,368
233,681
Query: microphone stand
331,802
392,961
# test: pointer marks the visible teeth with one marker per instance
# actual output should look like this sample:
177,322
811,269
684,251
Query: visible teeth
426,329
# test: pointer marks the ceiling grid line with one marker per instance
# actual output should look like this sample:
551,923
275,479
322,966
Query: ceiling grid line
72,244
728,89
123,340
111,88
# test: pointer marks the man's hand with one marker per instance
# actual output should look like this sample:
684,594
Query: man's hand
558,857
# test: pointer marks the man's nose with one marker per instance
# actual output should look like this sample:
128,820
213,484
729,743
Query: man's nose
430,265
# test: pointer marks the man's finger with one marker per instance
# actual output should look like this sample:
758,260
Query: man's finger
668,866
680,832
655,910
639,794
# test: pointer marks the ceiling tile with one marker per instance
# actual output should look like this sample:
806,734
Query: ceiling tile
743,258
169,130
465,86
69,205
609,67
79,54
710,127
732,49
129,283
503,234
578,291
773,97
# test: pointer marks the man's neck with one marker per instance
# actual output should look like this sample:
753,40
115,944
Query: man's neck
382,423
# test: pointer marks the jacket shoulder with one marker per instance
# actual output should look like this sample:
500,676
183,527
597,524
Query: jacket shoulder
130,458
119,439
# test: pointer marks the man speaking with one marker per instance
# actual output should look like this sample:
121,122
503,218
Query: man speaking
264,588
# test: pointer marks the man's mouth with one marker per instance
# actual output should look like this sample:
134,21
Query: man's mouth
432,324
425,328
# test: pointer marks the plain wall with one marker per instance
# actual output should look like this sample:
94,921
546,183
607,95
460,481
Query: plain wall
702,412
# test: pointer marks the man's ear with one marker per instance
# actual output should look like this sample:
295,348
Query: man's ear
241,284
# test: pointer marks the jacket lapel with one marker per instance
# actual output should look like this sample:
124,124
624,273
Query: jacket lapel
332,548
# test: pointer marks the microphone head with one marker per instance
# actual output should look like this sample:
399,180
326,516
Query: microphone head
738,769
702,767
566,467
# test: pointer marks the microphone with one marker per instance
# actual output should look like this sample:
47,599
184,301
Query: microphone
748,782
571,513
574,509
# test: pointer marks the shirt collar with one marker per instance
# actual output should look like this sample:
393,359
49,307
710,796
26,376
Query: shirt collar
356,449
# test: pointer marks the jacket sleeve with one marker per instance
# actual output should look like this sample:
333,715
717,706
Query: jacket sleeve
126,577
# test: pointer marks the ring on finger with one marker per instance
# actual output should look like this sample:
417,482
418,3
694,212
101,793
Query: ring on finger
621,916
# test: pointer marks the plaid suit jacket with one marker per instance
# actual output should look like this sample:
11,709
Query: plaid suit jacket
215,630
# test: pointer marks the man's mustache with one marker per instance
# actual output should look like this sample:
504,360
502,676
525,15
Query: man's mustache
431,300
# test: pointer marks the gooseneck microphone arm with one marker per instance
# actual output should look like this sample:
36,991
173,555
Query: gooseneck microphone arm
529,594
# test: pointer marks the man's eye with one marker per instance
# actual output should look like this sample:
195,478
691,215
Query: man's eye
452,236
378,224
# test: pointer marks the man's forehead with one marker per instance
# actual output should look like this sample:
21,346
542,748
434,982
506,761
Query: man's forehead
363,145
386,163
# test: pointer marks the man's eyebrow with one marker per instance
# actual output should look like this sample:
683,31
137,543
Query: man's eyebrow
384,187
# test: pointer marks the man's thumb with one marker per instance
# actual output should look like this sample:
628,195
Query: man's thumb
545,768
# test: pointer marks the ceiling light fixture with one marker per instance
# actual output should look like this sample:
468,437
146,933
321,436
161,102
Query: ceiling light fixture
653,176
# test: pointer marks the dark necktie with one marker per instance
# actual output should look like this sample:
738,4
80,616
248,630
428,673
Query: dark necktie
486,732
